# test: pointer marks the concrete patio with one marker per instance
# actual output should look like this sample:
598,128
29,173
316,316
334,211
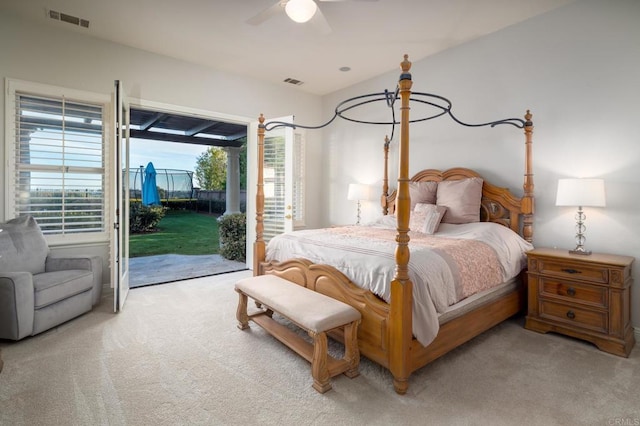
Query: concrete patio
166,268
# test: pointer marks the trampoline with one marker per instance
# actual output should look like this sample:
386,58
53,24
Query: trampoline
174,186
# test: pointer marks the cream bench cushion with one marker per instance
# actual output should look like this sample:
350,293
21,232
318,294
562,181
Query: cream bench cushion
310,310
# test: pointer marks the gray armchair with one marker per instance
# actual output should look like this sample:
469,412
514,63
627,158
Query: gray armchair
39,291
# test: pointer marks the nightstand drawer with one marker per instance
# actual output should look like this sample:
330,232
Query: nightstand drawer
585,318
574,271
579,293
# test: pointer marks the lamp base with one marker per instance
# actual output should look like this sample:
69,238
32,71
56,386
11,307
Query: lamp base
580,251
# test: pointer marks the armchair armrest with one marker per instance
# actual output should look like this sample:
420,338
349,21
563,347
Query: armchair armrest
16,305
89,263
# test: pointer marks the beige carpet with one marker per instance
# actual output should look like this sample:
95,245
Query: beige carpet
175,356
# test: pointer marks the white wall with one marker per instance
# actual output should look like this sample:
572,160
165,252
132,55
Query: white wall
46,54
576,68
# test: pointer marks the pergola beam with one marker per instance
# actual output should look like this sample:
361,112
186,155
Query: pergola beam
185,139
152,121
202,128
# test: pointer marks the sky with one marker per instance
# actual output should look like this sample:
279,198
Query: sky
164,155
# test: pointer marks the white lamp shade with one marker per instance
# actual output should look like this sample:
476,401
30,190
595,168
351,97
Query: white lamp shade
358,191
580,193
300,10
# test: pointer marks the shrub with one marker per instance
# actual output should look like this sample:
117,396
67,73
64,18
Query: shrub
233,236
145,218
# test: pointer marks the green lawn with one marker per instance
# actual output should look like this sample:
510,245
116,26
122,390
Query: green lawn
179,232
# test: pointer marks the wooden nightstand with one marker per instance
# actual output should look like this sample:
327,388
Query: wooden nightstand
587,297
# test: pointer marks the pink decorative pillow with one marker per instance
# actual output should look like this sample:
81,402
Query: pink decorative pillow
422,192
461,198
426,218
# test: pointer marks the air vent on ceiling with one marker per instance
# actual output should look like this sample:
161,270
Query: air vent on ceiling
58,16
293,81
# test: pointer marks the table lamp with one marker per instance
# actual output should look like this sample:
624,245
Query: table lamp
357,192
580,193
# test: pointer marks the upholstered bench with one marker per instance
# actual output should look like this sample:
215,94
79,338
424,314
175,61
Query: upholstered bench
311,311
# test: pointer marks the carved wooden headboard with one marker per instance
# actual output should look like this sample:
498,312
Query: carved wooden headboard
498,204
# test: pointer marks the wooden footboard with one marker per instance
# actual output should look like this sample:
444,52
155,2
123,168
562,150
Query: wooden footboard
373,333
374,336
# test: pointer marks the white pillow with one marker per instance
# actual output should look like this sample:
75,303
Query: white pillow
461,198
426,218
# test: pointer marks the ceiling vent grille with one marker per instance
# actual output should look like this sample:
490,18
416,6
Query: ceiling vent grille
293,81
70,19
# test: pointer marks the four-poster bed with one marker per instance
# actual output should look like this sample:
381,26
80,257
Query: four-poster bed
386,333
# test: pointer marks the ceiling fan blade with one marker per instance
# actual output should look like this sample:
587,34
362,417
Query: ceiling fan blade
267,13
320,22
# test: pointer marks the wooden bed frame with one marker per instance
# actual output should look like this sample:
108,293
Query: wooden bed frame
385,333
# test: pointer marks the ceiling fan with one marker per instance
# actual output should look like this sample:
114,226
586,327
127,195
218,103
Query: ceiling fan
299,11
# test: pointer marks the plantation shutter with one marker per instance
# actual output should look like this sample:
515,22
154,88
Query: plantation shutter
274,184
59,173
298,179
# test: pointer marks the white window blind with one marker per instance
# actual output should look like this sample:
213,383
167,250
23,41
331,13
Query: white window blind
59,173
274,186
299,179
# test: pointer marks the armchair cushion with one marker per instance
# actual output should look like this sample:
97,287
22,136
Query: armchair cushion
52,287
80,262
23,248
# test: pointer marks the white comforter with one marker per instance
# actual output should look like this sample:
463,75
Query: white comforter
442,275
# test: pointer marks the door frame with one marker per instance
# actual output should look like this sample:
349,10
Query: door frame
120,244
137,103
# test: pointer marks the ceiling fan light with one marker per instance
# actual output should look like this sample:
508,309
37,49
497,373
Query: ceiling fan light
300,11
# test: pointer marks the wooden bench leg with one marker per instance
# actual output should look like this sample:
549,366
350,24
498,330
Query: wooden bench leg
267,311
241,312
319,368
351,351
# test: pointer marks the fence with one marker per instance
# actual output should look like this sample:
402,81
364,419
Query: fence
214,202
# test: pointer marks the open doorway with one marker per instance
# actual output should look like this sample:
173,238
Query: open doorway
169,153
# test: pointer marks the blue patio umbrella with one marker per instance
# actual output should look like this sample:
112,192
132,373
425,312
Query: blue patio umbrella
149,189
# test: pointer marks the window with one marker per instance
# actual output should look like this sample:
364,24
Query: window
57,170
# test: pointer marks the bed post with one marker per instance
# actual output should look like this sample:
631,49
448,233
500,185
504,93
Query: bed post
384,200
401,327
258,245
527,199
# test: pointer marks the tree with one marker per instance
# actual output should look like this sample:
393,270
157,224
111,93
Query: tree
211,169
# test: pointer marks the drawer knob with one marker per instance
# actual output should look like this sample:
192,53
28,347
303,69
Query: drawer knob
571,315
571,291
571,271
